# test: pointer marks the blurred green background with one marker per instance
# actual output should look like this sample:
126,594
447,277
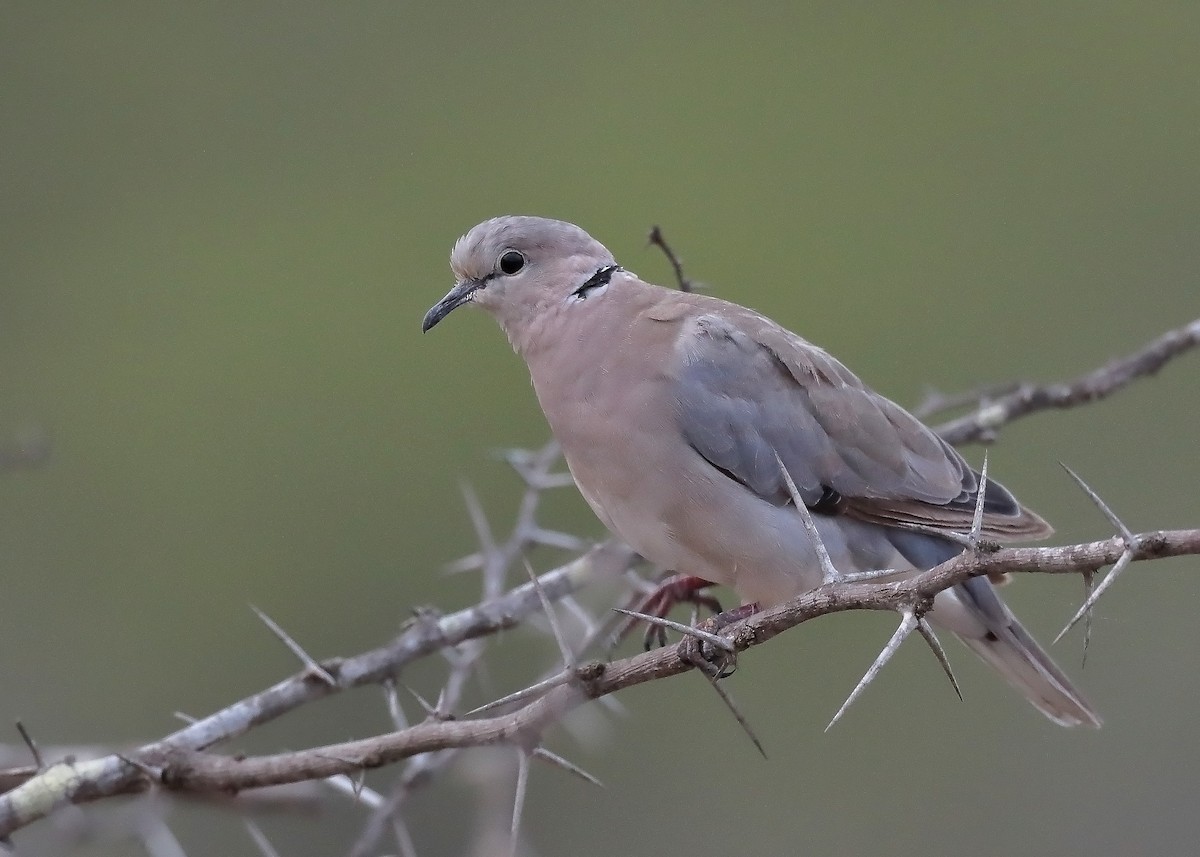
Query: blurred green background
219,229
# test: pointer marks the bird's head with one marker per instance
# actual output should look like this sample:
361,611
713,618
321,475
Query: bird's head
516,267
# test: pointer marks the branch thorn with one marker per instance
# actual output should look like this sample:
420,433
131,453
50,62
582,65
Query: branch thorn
828,572
714,640
907,625
311,667
570,767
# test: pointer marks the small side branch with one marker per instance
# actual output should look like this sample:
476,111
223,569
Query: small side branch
983,423
657,239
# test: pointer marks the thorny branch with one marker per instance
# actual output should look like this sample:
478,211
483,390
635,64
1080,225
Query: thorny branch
991,414
45,791
183,762
187,769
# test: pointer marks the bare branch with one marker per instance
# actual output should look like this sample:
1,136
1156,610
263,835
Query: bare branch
189,770
656,239
69,783
1085,609
983,423
1108,513
935,401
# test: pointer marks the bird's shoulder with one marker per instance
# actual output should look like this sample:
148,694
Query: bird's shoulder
708,329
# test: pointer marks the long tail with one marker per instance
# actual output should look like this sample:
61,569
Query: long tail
1008,647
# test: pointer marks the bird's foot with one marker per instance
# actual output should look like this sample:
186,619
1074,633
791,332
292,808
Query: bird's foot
715,663
671,592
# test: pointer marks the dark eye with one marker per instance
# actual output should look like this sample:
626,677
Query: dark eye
511,261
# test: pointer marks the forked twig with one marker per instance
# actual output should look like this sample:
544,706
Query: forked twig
657,239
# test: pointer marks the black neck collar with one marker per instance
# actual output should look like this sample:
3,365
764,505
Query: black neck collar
596,280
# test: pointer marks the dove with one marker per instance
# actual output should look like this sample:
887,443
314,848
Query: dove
677,414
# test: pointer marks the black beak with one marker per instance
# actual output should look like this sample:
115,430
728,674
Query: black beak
455,298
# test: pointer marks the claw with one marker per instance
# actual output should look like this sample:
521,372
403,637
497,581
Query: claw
676,589
715,662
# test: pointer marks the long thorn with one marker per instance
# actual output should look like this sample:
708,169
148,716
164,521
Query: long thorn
736,712
1108,581
564,648
34,751
403,838
395,712
356,790
581,615
1126,535
828,572
154,772
310,665
260,839
479,521
977,518
158,840
429,710
926,631
907,625
519,798
525,693
1089,585
867,576
962,539
704,636
570,767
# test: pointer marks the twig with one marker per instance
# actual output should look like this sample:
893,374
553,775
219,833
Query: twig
32,745
935,401
657,239
985,421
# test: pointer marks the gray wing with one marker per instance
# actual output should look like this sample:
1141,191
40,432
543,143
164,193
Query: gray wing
746,389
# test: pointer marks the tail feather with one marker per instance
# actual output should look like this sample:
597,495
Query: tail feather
974,611
1008,647
1018,657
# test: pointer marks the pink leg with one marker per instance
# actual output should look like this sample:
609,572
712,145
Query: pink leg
671,592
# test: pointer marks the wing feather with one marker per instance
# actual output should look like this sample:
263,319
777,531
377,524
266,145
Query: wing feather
746,389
